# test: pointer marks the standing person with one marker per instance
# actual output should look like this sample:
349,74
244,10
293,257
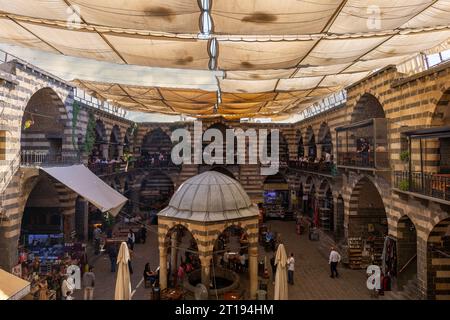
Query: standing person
112,252
180,274
43,289
274,267
143,234
66,287
335,258
97,233
130,266
131,239
89,284
291,268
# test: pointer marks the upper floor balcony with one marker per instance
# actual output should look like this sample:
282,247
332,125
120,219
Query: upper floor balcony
45,158
363,145
427,165
320,167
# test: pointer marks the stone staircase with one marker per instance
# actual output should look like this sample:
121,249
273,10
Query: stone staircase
410,292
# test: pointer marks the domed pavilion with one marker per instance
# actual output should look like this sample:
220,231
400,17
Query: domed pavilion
206,205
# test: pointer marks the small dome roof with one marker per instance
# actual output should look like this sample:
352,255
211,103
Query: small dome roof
210,196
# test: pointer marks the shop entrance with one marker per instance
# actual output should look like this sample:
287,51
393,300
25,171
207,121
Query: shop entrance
276,196
311,203
367,225
42,228
326,208
340,230
406,251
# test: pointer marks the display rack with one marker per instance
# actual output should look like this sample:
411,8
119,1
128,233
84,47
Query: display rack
355,252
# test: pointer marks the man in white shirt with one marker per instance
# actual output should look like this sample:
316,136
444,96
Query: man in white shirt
66,288
291,268
335,258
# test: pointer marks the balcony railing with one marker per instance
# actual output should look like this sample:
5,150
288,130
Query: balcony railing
140,163
320,167
363,144
427,184
35,158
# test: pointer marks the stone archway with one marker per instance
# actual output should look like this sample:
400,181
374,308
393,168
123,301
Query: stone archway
310,143
155,191
367,107
43,128
367,224
340,218
326,207
115,143
325,140
438,261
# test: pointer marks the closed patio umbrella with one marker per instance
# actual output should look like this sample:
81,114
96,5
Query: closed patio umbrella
123,284
281,287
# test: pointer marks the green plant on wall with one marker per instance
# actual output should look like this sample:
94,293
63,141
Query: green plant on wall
90,134
75,112
404,185
404,156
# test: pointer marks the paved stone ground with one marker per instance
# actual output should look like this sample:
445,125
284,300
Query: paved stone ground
311,278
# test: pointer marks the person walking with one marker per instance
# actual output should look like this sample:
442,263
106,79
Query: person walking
112,252
97,233
89,284
291,268
335,258
131,239
143,234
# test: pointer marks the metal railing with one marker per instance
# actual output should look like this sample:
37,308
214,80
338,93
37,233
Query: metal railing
428,184
38,158
320,167
8,174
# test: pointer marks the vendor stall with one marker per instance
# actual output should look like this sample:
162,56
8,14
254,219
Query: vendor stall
12,287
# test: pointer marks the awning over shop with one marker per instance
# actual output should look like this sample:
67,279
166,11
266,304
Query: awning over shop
273,48
12,287
82,181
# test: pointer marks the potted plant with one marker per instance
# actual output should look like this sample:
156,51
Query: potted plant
404,185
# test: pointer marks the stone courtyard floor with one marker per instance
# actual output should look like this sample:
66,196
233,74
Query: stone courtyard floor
311,278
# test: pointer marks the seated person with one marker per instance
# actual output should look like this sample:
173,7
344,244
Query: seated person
149,275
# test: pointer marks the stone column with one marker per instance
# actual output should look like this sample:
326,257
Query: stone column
253,269
173,251
120,150
105,151
206,270
162,267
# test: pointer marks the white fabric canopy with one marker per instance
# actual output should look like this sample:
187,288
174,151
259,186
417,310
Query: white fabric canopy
315,47
281,286
82,181
123,283
12,287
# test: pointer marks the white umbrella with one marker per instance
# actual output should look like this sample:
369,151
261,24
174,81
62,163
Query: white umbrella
281,287
123,284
